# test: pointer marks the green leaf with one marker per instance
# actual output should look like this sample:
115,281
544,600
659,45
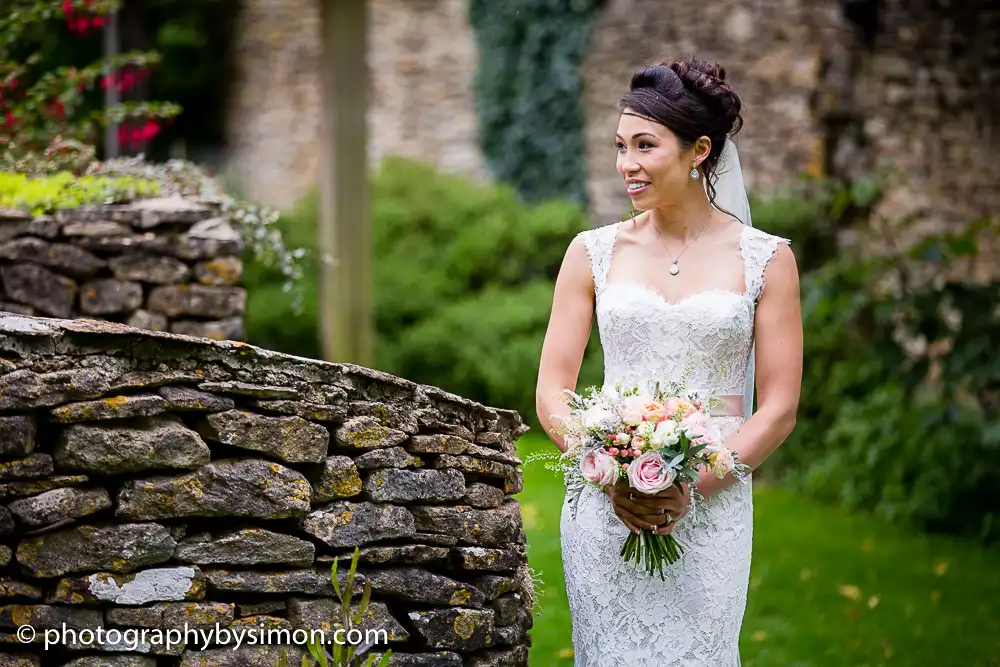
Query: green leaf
363,606
333,575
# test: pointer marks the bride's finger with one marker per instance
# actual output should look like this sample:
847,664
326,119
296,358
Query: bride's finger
649,504
675,507
669,492
631,526
655,520
637,519
665,529
639,509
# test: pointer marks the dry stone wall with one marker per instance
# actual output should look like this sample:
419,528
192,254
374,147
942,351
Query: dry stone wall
165,264
152,480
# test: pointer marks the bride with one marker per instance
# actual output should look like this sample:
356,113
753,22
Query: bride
685,283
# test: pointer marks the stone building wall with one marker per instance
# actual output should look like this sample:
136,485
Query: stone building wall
926,98
824,95
156,481
422,61
167,264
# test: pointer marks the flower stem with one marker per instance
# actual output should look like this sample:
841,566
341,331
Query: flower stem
651,551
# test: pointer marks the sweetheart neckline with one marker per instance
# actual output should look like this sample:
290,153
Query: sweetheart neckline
718,291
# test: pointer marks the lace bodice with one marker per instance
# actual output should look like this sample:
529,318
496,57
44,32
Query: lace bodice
708,334
693,619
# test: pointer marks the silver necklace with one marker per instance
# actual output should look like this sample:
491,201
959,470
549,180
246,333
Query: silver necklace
674,268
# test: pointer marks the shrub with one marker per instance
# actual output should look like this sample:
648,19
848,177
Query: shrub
899,396
462,284
50,116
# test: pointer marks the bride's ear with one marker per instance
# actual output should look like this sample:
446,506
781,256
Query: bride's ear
702,148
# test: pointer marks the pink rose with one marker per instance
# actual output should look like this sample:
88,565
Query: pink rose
696,426
599,467
649,473
633,410
671,405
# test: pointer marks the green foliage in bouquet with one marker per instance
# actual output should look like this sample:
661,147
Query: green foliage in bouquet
529,90
48,119
343,655
464,274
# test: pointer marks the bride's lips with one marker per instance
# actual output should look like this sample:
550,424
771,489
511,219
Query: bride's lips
635,187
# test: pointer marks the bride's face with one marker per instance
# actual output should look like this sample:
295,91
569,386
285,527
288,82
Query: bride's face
652,162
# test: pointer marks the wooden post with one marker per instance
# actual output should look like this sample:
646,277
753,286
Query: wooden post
345,291
112,46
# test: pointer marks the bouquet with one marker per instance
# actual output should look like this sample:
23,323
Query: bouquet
652,440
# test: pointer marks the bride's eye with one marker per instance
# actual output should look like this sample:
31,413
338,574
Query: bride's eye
645,145
619,145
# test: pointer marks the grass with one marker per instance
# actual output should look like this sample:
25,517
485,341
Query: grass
827,589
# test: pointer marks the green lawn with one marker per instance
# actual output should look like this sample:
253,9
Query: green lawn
827,588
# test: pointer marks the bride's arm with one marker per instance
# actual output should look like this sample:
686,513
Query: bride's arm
778,334
565,339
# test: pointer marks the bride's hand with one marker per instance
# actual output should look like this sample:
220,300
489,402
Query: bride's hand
675,502
639,510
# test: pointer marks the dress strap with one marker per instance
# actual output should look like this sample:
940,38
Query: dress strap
758,248
600,244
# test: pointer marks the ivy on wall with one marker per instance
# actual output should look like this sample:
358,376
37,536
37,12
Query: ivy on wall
529,93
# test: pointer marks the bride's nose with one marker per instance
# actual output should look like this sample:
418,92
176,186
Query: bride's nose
629,166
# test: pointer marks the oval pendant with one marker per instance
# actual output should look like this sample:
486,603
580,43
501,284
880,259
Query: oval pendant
674,270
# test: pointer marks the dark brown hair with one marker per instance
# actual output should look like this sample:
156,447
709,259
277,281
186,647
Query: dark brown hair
692,99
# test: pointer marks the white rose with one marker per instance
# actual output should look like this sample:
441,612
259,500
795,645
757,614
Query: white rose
595,416
666,433
713,449
622,439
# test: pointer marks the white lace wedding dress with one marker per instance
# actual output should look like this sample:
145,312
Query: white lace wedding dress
621,616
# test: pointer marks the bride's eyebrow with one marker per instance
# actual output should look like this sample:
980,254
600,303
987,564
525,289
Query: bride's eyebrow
639,134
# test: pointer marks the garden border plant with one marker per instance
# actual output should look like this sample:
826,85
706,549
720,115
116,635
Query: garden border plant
47,135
